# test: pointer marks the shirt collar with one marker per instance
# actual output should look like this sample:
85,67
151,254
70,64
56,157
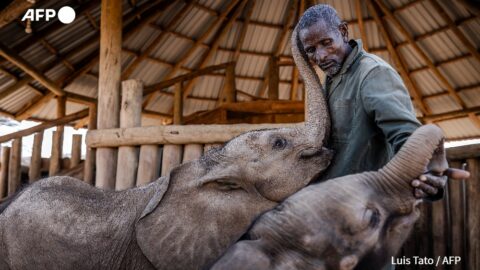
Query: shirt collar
357,50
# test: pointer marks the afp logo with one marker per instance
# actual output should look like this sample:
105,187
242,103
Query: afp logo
66,14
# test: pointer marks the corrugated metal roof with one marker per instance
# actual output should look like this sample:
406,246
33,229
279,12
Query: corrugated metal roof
419,19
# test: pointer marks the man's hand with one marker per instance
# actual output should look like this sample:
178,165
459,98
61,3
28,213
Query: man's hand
431,185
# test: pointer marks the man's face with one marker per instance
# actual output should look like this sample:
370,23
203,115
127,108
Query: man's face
325,47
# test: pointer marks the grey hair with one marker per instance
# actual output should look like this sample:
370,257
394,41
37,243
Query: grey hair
320,12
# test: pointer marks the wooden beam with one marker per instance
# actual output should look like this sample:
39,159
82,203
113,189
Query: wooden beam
474,118
173,134
451,115
200,72
55,158
416,94
109,87
76,150
248,14
25,132
34,171
463,152
13,11
422,54
149,164
451,24
30,70
33,106
170,26
363,34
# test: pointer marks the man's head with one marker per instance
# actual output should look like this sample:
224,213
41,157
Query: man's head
324,38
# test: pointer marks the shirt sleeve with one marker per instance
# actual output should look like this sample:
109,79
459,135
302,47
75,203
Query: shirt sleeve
387,102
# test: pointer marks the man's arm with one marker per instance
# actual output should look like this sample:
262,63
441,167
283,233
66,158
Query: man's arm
386,101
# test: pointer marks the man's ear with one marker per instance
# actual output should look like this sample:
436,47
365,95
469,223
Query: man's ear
343,27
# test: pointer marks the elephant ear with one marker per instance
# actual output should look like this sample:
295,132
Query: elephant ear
160,188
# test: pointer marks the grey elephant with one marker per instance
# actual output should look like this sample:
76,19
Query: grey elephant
353,222
182,221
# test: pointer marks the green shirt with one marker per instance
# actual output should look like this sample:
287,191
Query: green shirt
371,113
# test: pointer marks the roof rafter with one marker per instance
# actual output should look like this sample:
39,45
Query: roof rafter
422,54
279,43
129,70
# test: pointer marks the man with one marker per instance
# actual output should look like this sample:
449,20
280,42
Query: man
371,111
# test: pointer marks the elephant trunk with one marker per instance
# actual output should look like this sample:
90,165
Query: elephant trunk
412,160
317,119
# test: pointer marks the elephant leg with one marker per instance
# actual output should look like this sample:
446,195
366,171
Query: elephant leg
244,255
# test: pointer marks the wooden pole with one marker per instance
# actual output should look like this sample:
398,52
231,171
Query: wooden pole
4,171
192,152
358,10
457,222
229,88
273,78
89,169
130,116
57,140
171,158
473,214
149,164
34,172
178,104
54,166
109,87
14,166
294,90
76,150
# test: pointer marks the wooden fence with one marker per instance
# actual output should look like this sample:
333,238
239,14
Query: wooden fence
449,227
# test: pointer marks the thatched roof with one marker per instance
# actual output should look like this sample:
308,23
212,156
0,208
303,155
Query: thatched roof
433,45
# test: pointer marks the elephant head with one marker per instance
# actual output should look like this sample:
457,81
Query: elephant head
211,202
353,222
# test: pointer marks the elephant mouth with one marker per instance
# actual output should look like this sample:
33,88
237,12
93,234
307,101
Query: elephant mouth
316,152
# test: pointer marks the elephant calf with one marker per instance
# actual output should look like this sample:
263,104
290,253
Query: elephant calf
353,222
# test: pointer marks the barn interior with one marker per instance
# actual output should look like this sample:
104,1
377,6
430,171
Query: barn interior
159,82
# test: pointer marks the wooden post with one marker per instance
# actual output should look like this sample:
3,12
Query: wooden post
439,230
473,214
192,152
14,166
178,104
4,171
130,116
229,88
54,166
57,140
149,164
76,150
171,158
34,172
457,222
294,90
89,169
109,87
273,78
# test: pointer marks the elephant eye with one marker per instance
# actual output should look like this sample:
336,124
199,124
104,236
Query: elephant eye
372,216
279,143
